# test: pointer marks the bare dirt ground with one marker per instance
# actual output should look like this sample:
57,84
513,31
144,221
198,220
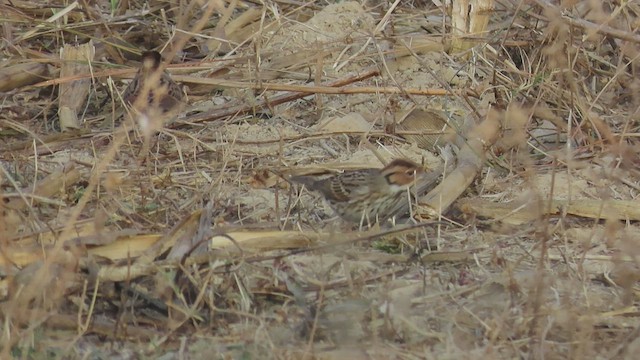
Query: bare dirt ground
193,246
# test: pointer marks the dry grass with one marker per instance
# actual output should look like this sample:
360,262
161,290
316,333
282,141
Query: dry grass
197,249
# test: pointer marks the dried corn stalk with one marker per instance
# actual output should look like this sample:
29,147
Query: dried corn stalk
468,17
13,77
73,94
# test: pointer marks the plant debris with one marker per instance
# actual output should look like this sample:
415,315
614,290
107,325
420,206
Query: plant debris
188,241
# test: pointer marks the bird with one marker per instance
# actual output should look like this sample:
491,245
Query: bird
367,196
152,95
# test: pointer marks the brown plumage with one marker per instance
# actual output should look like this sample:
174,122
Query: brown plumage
369,195
152,93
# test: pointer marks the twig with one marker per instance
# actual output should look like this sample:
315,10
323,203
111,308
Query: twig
266,104
587,25
327,89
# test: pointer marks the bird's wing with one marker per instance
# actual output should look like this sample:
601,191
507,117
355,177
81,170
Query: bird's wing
351,185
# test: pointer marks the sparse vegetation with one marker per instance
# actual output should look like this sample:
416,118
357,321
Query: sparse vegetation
188,243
